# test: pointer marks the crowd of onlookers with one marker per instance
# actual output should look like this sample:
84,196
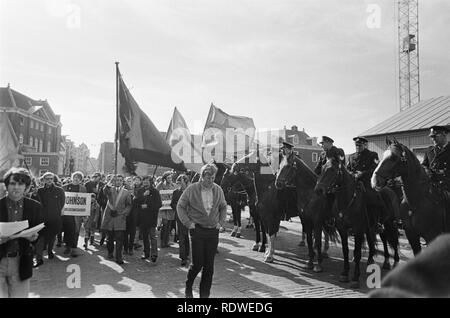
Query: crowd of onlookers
125,212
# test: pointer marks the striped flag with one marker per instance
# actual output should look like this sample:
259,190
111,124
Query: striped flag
9,145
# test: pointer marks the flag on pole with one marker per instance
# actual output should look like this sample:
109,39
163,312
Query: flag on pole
182,142
230,135
139,139
9,145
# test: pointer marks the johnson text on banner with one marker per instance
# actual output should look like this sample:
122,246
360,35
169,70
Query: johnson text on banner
77,204
166,198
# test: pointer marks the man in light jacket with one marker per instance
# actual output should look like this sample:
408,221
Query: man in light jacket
115,216
202,209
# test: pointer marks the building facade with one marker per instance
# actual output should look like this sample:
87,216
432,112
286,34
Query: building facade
38,130
411,127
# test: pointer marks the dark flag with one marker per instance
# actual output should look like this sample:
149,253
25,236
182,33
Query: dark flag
139,139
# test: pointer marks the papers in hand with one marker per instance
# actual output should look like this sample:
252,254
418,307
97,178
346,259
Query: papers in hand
28,232
10,228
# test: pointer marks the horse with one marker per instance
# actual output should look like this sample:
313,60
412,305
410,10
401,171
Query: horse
267,202
238,182
422,210
350,213
312,206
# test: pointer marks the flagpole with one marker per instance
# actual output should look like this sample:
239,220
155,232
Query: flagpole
153,177
117,117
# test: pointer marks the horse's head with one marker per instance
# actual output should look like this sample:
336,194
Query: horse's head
286,173
391,166
331,176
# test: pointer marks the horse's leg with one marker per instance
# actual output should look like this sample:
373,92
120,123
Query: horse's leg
256,222
318,244
326,245
264,236
310,242
271,250
344,239
414,240
371,239
302,242
357,259
386,264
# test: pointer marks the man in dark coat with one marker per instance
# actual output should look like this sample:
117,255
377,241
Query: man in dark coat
148,202
329,151
16,255
437,158
361,165
52,199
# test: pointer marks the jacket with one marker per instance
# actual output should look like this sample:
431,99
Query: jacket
148,217
52,200
121,205
32,213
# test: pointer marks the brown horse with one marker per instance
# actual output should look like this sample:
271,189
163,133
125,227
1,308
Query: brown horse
422,210
293,171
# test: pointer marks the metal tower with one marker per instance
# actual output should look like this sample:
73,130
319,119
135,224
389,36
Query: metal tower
408,50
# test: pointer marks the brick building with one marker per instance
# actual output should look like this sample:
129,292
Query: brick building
37,128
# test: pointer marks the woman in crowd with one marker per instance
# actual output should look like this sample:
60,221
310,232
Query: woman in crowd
167,215
183,232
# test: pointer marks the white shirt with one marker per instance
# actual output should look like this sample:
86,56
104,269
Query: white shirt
207,197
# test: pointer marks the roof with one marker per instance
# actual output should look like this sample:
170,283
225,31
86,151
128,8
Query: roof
423,115
10,97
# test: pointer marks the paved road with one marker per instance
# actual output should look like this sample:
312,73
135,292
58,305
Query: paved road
239,271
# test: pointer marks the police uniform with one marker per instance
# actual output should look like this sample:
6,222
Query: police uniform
287,197
437,160
333,152
364,162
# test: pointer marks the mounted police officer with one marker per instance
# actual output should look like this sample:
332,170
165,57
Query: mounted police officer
329,151
361,165
437,158
287,197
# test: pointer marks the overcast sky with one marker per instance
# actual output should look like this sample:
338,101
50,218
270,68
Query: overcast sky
314,64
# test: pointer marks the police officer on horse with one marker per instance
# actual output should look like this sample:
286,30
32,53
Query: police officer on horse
361,165
437,159
330,151
288,196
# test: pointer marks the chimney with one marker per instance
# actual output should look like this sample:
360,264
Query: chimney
294,128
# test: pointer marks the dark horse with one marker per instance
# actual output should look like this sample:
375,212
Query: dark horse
267,205
350,213
234,183
422,210
312,206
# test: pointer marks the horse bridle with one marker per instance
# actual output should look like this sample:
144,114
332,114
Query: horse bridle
403,160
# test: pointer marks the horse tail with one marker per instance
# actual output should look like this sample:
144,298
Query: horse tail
331,231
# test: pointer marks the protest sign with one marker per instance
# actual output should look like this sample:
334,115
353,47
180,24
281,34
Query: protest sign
77,204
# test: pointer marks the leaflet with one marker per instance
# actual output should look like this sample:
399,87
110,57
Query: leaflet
10,228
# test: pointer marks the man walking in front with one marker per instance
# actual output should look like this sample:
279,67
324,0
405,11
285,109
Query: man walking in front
202,209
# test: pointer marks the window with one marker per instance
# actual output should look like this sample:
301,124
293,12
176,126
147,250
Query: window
295,140
20,139
45,161
41,146
315,157
31,124
49,130
42,127
36,143
21,121
49,146
28,161
31,141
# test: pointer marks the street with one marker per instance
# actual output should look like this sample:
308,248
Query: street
239,271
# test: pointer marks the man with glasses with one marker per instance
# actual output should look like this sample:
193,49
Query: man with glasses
16,255
437,158
52,199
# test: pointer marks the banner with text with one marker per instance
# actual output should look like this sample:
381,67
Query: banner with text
77,204
166,198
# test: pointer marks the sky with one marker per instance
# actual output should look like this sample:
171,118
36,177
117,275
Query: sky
329,66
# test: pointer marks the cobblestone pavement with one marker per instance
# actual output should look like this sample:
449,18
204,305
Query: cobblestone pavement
239,271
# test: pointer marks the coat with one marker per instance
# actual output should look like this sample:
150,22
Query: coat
122,207
333,152
437,164
148,217
52,200
32,213
365,162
